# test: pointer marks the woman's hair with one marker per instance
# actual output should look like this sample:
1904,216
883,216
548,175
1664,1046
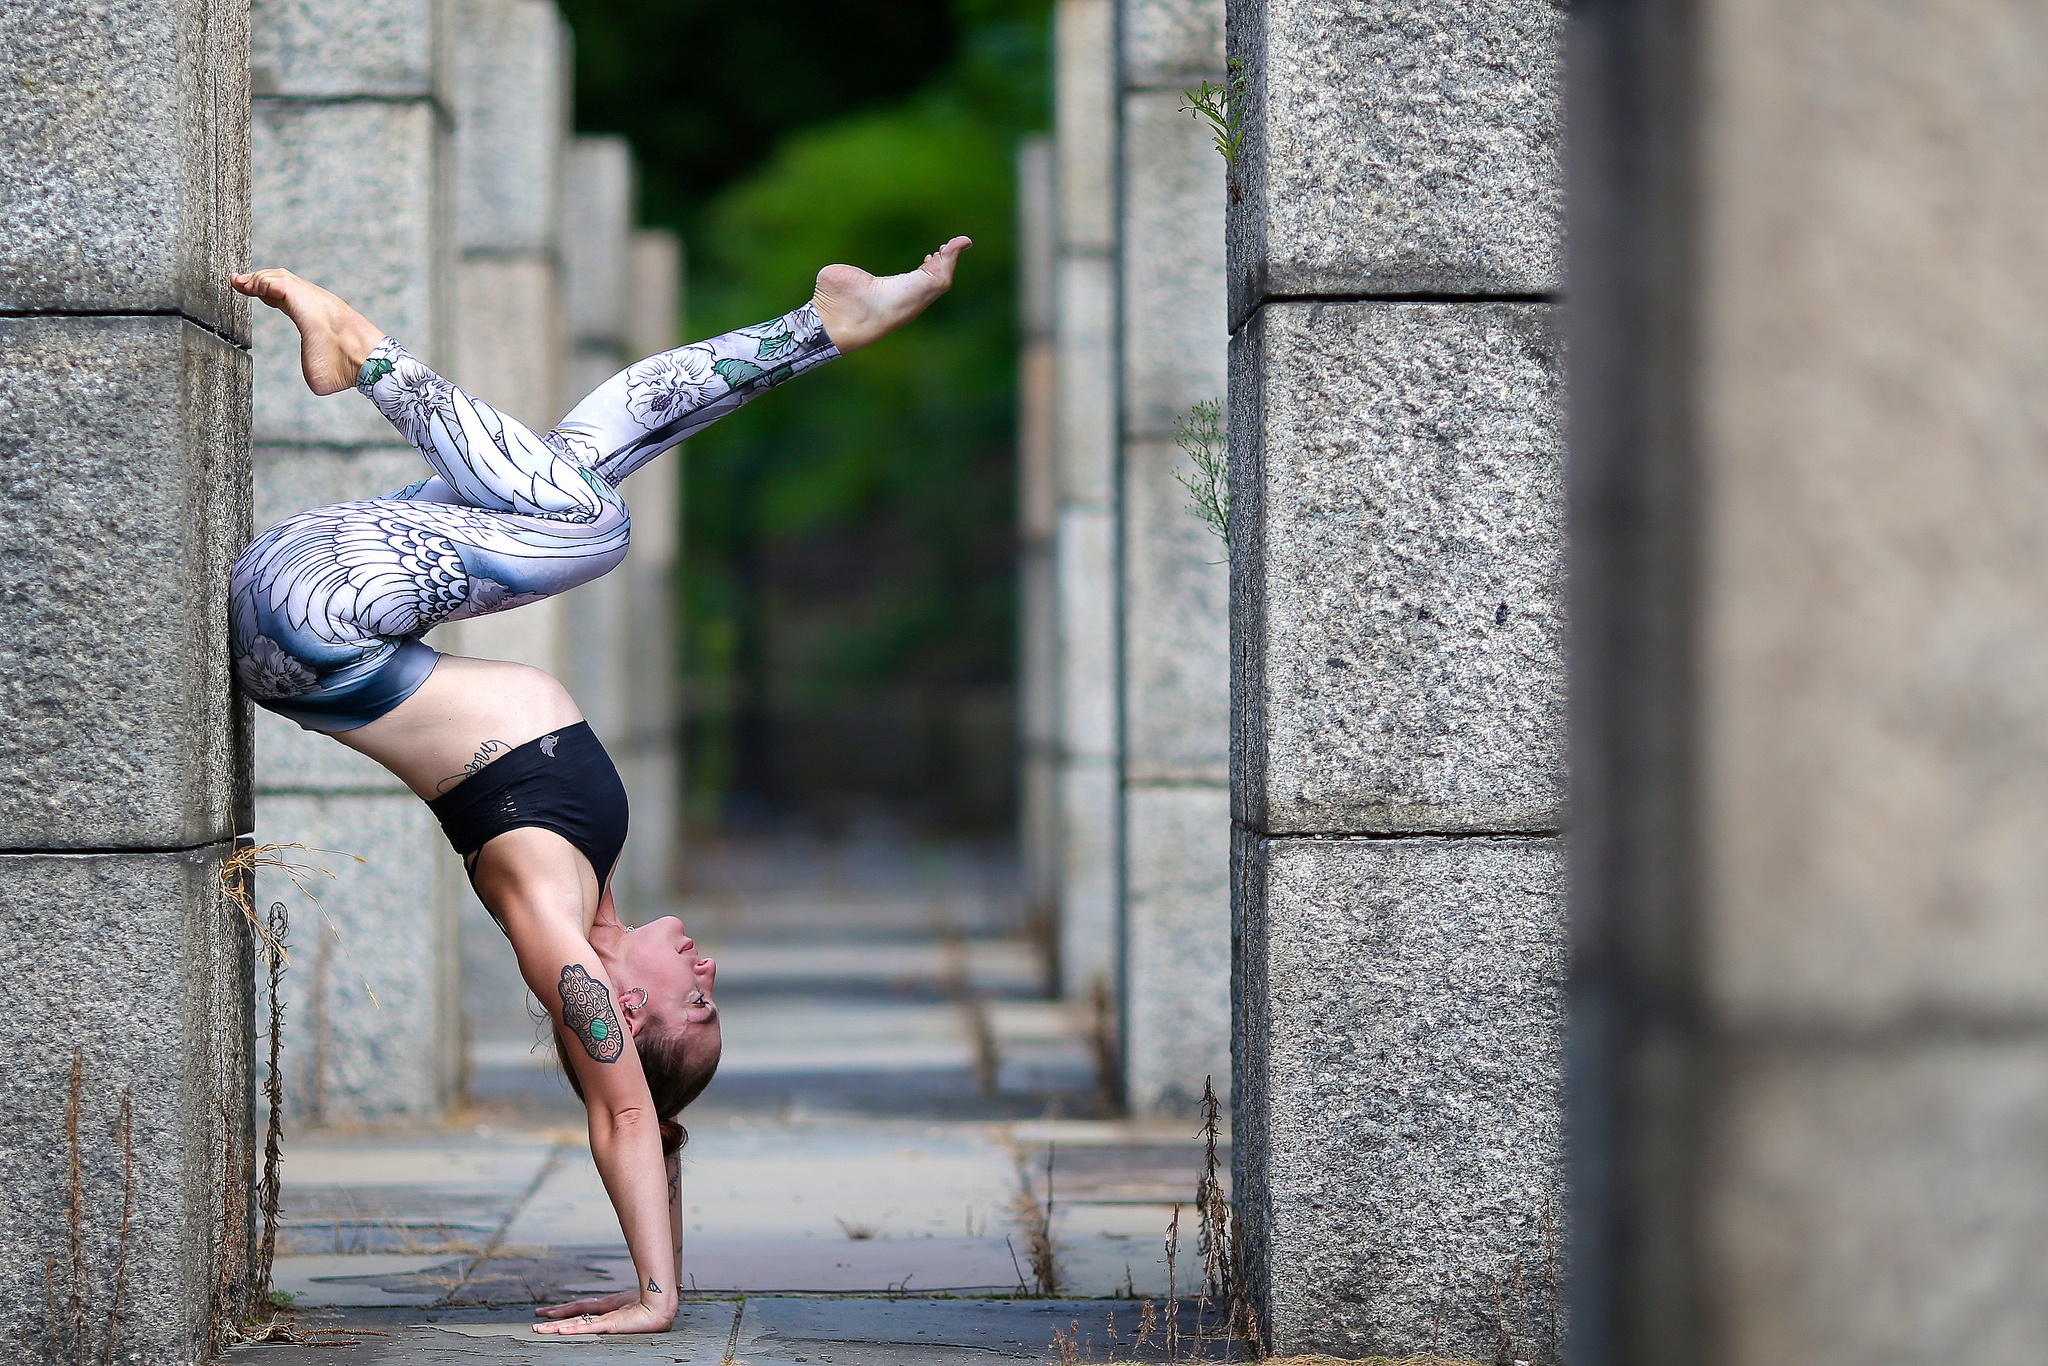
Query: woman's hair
674,1077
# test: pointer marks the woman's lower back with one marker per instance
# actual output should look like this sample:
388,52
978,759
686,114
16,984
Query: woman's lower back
467,713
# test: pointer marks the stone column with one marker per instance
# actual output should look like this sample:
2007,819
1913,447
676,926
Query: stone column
625,615
1397,683
1810,615
1038,659
649,745
511,96
351,191
1084,552
124,460
1175,637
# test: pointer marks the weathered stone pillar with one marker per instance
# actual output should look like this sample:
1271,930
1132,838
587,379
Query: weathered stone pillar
626,615
1038,658
1173,613
351,191
124,498
649,745
511,97
1810,602
1397,675
1085,541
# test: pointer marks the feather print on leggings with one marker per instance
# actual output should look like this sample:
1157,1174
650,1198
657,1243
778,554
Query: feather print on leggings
508,517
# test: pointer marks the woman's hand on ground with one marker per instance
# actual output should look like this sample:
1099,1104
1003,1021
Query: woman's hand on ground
589,1304
632,1318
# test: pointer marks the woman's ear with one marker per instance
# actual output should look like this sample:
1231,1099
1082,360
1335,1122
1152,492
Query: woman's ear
633,1005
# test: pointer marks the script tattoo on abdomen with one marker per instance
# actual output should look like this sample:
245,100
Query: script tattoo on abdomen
587,1011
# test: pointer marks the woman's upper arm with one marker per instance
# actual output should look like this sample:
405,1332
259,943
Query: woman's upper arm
566,976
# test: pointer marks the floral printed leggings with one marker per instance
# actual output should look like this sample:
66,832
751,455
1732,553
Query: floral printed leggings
329,605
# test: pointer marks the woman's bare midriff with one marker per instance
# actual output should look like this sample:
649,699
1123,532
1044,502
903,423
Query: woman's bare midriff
468,713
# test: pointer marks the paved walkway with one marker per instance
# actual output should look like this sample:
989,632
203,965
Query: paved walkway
894,1081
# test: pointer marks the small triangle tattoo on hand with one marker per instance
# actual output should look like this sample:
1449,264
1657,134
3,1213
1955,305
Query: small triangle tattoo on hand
652,1288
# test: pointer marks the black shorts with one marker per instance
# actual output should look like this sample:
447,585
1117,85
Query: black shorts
563,782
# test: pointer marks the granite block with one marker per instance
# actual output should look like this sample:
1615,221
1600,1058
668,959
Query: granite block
1176,946
511,119
1176,627
1399,1110
1087,587
1397,147
350,195
1175,345
599,204
1088,821
292,760
134,967
341,48
1171,44
367,1031
1398,523
596,628
1085,369
534,635
1084,118
1037,235
1882,1204
1875,622
646,882
511,349
126,184
656,301
125,460
291,479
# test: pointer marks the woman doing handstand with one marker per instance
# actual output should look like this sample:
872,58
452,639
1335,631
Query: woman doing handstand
328,610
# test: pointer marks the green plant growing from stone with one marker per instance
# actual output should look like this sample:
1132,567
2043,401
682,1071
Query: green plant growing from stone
1222,108
1199,432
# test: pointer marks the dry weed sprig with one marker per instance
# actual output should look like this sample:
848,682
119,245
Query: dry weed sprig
1173,1286
1037,1222
273,1095
237,875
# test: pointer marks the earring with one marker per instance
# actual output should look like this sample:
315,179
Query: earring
629,1004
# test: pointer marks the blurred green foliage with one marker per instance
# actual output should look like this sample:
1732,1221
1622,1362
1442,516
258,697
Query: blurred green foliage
848,541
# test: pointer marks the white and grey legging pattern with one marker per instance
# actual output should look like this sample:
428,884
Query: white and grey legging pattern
330,604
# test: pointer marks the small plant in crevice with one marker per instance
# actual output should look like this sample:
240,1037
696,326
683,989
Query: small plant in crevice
1223,1275
1040,1251
1222,108
1199,432
273,1095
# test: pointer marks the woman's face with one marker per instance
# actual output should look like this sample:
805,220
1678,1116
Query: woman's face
662,960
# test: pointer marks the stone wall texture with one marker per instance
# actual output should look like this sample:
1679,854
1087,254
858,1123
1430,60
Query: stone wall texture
124,453
353,171
1084,551
1173,602
1810,615
1038,659
1397,551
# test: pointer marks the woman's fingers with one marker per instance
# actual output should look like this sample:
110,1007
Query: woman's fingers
634,1318
589,1304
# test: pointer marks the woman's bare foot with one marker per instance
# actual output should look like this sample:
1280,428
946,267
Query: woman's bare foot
858,308
334,339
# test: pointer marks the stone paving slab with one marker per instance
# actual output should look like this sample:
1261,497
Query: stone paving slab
754,1331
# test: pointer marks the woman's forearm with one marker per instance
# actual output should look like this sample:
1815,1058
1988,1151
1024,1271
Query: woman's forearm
627,1150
